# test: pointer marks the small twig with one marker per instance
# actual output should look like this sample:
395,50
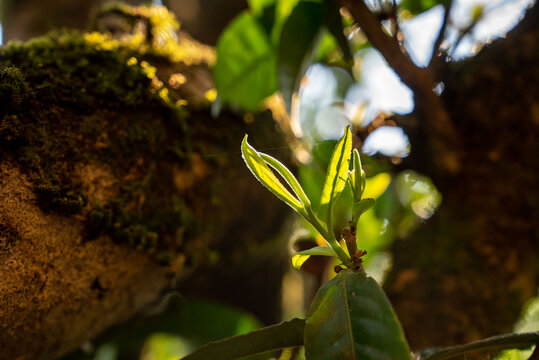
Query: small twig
441,34
396,22
430,106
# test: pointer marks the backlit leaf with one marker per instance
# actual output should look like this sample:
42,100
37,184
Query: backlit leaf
300,257
290,179
245,71
351,319
337,173
263,173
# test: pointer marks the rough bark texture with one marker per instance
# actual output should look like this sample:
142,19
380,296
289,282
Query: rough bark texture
467,272
115,183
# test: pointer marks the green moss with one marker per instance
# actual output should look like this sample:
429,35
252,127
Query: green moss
59,198
66,101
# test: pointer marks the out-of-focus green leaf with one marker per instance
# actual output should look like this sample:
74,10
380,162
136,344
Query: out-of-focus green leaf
263,173
418,6
376,185
193,322
300,257
529,321
478,11
283,9
245,71
337,173
500,342
267,18
333,22
296,45
418,193
351,318
258,6
285,334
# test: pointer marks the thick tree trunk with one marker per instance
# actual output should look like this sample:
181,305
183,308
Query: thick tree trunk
467,272
115,183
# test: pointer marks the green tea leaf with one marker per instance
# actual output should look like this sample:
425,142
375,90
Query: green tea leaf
336,174
300,257
360,207
263,173
351,318
298,37
283,335
500,342
245,71
290,179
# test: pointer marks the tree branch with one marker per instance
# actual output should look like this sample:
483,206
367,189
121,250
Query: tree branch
428,104
441,34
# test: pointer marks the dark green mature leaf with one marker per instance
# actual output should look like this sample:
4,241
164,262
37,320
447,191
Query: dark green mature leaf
418,6
245,72
351,318
500,342
298,39
336,174
285,334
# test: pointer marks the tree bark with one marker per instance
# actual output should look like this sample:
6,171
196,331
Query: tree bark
468,271
116,184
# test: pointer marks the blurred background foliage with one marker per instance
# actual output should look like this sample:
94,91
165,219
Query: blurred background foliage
341,81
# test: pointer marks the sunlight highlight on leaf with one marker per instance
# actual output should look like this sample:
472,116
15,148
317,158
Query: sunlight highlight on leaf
263,173
337,173
299,258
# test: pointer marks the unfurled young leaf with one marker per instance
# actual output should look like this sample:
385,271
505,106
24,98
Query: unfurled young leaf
336,174
300,257
263,173
259,165
290,179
